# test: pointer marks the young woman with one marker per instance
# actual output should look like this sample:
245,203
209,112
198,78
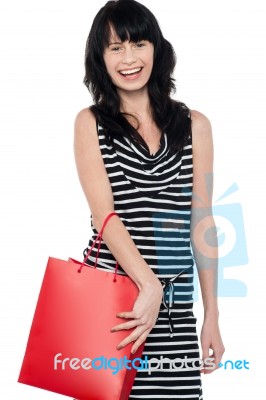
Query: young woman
146,156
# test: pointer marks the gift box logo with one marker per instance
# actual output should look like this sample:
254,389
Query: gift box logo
231,240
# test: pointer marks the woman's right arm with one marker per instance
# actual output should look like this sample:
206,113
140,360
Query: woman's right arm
97,189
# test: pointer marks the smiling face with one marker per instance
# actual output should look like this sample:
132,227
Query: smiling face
129,64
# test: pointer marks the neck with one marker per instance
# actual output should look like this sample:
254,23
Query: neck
136,103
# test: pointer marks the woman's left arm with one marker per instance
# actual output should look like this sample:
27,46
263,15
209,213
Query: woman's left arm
204,236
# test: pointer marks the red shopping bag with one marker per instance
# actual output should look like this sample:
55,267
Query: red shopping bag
70,349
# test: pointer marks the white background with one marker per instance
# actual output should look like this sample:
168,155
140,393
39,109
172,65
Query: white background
220,72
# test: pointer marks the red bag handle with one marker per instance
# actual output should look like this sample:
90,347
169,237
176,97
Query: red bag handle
99,236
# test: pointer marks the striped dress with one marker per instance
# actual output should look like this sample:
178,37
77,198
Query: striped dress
152,196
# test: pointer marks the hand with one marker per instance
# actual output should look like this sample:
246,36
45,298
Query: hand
211,340
143,316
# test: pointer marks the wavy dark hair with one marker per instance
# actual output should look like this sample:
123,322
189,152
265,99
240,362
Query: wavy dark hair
134,22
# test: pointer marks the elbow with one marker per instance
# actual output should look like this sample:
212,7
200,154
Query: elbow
99,217
203,225
203,236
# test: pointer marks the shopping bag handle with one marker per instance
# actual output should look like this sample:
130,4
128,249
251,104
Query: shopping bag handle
99,236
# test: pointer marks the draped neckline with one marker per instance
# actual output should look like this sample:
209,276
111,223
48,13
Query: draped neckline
145,154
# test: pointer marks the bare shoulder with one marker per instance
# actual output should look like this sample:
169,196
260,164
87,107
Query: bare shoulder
201,129
85,121
200,123
86,141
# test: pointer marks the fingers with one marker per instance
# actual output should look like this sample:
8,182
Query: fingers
126,314
132,337
218,354
214,359
126,325
141,339
143,318
205,355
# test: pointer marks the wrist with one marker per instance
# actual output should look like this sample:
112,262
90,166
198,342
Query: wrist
151,285
211,314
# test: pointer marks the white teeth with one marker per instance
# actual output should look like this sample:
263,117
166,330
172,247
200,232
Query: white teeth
130,71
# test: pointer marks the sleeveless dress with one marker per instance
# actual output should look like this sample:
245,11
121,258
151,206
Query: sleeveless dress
152,196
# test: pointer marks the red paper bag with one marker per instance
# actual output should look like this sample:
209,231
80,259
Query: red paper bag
70,349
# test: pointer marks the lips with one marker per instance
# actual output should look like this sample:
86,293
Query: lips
131,72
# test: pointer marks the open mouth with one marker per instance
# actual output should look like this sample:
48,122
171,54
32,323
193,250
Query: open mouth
131,72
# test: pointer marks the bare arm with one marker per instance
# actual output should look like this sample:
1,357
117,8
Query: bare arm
204,235
97,189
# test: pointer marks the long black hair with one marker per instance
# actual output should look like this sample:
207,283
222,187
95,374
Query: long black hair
134,22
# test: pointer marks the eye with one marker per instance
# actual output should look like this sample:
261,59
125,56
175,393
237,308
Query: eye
140,44
115,48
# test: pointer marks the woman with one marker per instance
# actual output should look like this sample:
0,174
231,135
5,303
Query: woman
133,151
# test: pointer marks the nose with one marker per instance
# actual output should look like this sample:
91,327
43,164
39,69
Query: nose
129,56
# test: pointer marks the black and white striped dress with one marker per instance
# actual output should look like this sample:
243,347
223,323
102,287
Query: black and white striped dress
152,196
